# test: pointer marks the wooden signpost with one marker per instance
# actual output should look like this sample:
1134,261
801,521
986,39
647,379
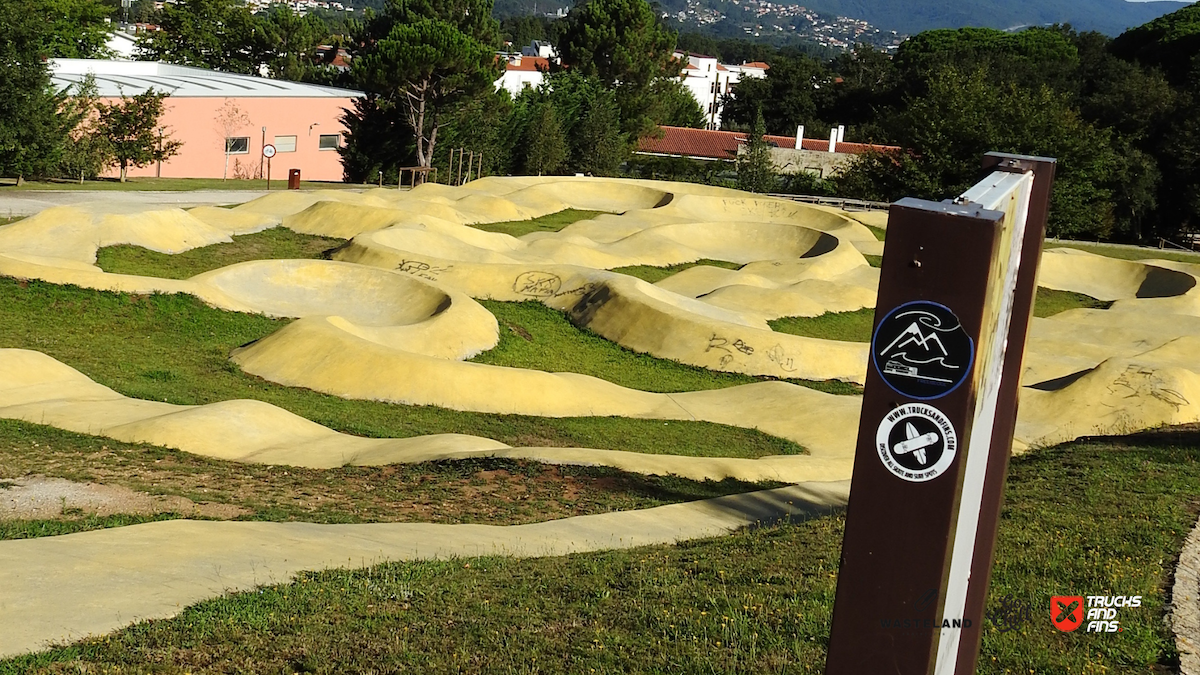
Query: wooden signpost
939,410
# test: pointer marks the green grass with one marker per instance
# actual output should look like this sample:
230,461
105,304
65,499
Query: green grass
537,337
10,219
174,184
549,223
53,527
879,232
856,326
844,326
874,260
275,243
657,274
1050,302
1099,517
533,335
174,348
485,490
1128,252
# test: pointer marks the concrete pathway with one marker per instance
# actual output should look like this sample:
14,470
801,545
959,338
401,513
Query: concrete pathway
1185,605
60,589
28,202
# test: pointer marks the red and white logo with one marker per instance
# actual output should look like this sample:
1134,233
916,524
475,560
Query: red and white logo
1066,611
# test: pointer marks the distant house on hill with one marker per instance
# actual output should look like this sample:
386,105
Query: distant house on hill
300,120
791,154
522,72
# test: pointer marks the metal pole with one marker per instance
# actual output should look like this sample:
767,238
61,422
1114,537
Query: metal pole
458,181
260,158
268,173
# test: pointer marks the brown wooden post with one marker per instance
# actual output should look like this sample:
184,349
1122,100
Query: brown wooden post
939,410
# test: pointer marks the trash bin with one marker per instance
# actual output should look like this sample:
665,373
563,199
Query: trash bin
293,179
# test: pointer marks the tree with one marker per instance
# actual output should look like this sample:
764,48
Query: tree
78,29
674,105
546,146
621,43
294,40
217,34
786,97
424,56
229,120
32,132
755,170
132,129
88,151
376,142
963,115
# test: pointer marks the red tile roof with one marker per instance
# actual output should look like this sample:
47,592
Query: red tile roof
530,64
756,64
681,141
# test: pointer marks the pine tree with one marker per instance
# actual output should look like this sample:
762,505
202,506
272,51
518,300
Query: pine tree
755,170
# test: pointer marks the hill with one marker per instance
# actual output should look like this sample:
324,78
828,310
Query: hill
913,16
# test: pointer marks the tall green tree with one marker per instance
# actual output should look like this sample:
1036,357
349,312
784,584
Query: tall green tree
786,97
32,132
963,115
217,34
78,29
294,40
622,44
422,57
755,170
88,151
546,146
131,127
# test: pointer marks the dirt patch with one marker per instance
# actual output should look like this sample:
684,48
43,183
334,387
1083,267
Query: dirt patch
38,497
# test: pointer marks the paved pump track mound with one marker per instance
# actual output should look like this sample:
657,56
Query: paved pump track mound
393,317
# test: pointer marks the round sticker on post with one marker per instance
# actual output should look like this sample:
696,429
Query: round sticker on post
916,442
922,351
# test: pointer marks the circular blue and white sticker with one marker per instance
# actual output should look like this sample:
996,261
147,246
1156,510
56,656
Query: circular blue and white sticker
922,351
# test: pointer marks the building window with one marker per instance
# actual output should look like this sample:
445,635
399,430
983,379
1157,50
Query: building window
237,145
330,141
285,144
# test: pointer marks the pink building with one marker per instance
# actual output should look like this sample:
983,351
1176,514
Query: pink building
223,119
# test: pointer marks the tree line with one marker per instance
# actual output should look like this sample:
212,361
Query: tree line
1120,115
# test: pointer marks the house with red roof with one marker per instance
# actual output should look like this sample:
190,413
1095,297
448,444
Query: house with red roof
791,154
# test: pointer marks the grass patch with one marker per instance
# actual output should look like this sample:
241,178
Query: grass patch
174,348
657,274
1050,302
537,337
1128,252
879,232
173,185
874,260
53,527
856,326
757,601
493,491
552,222
844,326
10,219
272,244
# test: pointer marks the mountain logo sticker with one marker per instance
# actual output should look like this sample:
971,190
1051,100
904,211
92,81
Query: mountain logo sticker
921,350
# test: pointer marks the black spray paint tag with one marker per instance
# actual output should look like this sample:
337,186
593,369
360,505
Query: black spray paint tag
921,350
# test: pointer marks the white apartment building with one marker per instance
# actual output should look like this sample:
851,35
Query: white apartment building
709,80
703,76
